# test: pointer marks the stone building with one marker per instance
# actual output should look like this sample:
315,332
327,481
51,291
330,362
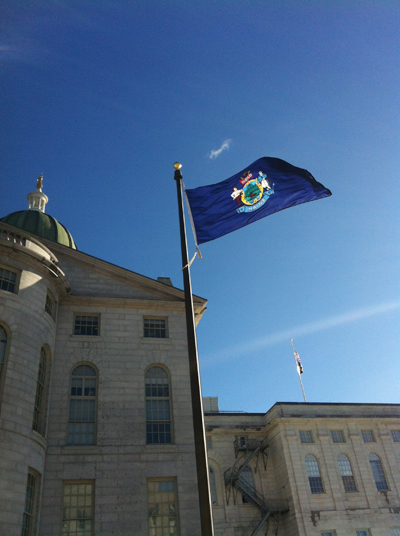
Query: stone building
96,433
305,470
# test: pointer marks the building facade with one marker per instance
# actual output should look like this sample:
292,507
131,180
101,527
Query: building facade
306,469
96,426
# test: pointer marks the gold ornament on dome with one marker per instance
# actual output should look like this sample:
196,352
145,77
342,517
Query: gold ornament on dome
39,184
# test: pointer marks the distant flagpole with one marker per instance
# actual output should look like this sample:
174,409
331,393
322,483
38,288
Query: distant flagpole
206,517
299,368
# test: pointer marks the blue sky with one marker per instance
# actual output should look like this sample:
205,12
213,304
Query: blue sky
103,98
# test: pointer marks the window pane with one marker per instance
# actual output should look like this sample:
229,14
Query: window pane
7,280
312,466
39,413
3,346
158,414
30,506
313,473
396,436
368,436
155,327
82,406
212,486
377,471
346,473
86,325
78,509
162,508
337,436
306,437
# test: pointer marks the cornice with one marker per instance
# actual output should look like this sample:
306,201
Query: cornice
34,252
124,274
130,303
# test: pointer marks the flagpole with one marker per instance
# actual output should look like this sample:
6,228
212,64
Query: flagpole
206,517
298,371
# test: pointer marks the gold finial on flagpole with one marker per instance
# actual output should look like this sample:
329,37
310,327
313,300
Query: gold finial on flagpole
177,165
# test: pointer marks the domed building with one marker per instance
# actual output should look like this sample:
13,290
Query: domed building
95,412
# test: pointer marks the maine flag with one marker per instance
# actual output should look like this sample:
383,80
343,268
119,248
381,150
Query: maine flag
263,188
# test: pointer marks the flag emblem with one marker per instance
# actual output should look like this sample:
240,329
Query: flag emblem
267,186
254,192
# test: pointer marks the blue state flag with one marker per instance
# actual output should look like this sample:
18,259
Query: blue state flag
263,188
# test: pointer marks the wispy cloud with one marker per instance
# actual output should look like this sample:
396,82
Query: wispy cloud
214,153
238,351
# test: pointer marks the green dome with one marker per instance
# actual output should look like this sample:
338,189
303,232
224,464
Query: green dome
40,224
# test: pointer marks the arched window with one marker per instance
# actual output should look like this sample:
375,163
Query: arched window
247,483
212,486
314,476
3,347
41,398
346,473
377,471
3,355
158,407
82,406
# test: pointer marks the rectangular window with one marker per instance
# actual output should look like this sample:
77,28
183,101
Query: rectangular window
162,507
8,280
30,509
155,328
395,532
50,306
396,436
368,436
82,406
337,436
328,533
208,442
87,325
306,437
78,516
363,532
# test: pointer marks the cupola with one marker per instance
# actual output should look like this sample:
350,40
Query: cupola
35,221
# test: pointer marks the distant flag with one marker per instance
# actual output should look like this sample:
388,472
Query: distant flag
267,186
298,363
299,368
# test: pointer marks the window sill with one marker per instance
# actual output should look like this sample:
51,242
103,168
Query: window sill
158,445
39,438
152,340
48,315
81,448
8,293
86,337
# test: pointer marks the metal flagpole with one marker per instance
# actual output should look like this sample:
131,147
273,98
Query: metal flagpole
298,370
207,528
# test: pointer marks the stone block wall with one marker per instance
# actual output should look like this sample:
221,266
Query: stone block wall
29,328
120,462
